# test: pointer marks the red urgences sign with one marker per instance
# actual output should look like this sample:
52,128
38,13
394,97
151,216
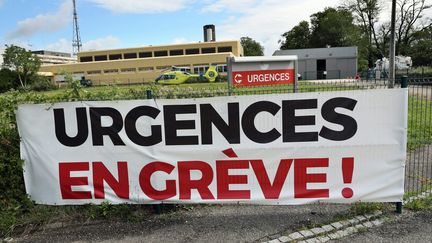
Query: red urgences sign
256,71
263,77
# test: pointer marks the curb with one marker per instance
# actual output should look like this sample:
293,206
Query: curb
332,231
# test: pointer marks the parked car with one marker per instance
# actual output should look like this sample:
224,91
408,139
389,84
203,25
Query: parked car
85,82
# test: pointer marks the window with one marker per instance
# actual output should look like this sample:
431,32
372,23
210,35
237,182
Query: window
176,52
111,71
184,68
222,68
192,51
167,76
100,58
128,70
93,72
208,50
160,53
86,59
163,67
145,54
200,69
225,49
130,55
145,69
115,56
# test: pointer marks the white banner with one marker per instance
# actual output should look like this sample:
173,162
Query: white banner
283,149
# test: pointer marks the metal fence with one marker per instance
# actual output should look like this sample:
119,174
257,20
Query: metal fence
418,173
412,73
418,176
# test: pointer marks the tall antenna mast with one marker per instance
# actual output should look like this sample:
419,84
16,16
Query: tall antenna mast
76,41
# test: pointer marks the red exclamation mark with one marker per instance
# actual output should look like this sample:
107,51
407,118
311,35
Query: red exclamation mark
347,172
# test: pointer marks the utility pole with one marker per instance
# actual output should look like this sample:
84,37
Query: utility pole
392,46
76,39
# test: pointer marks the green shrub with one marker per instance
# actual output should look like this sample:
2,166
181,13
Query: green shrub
8,80
41,83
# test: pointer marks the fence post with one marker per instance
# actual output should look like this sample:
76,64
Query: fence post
229,73
399,207
149,94
404,82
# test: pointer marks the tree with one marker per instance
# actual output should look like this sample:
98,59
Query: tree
297,38
366,12
408,14
421,48
251,47
333,27
8,80
22,61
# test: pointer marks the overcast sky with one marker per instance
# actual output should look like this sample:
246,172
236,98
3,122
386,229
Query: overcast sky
105,24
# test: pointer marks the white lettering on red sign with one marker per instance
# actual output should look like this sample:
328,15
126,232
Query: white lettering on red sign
263,77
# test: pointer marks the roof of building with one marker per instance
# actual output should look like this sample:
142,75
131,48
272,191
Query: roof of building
170,46
318,53
52,53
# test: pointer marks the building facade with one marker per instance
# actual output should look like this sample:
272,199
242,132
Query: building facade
54,57
324,63
144,64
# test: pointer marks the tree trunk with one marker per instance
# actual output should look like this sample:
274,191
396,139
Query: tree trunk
20,79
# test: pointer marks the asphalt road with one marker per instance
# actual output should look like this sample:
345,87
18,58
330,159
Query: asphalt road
409,227
228,223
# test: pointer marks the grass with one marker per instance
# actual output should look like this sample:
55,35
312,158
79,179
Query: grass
419,122
306,85
125,88
360,208
420,204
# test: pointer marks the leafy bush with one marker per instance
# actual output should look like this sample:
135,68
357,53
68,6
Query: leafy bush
8,80
41,83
